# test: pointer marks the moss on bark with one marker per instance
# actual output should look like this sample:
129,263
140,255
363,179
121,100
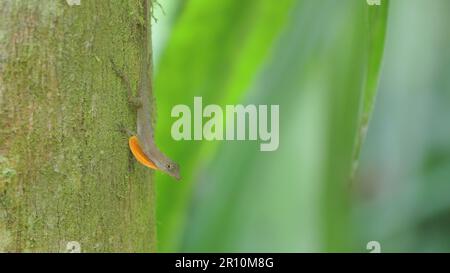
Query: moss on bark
66,173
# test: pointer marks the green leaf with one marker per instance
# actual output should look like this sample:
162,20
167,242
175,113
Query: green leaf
321,73
214,51
377,22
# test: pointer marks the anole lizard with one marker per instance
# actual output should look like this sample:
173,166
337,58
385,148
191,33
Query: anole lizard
143,103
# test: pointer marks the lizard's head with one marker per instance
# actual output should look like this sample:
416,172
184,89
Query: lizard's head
169,167
151,157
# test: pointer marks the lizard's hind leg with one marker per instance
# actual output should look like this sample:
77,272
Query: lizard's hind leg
133,100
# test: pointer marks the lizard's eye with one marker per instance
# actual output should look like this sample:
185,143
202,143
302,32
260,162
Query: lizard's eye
169,166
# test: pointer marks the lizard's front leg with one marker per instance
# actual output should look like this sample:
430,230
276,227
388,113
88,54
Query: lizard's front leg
125,131
134,100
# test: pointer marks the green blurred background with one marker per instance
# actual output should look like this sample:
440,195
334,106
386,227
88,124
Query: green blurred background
320,61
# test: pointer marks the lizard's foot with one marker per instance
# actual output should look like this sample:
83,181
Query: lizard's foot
124,130
135,102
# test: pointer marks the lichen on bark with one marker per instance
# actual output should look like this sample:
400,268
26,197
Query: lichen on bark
66,173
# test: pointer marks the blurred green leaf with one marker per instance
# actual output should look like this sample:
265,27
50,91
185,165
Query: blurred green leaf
297,198
214,51
403,178
377,25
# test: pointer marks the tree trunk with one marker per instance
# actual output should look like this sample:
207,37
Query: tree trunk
66,173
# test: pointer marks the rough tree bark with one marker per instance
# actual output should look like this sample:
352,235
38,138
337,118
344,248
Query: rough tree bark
66,173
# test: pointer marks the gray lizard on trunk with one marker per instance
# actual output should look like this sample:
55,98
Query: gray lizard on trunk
145,149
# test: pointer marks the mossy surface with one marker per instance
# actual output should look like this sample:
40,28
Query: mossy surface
66,173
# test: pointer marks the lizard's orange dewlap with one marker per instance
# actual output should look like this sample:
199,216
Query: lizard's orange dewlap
139,154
